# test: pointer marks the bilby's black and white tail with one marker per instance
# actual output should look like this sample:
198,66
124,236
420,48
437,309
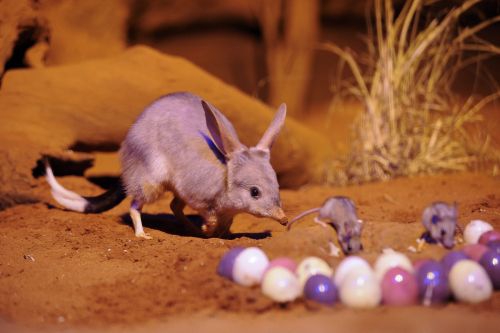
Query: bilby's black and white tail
73,201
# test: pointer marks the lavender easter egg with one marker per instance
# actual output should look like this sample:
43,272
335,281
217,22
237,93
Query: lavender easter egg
226,264
469,282
321,289
489,236
390,259
311,266
432,280
281,285
491,264
399,287
249,266
284,262
451,258
360,290
474,229
475,251
419,262
351,263
494,246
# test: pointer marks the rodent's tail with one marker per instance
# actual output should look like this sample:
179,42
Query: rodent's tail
73,201
301,215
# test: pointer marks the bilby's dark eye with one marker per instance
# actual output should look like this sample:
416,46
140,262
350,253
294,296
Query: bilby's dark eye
254,192
443,233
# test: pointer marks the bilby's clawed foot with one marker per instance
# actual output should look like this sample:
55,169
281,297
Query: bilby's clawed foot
143,235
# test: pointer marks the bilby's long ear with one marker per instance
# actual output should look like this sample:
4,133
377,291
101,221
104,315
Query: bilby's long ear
272,132
221,131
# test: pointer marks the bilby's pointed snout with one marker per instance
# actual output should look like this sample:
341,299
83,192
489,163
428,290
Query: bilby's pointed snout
279,215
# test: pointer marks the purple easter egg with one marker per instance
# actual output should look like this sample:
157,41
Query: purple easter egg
433,286
399,287
320,288
226,264
284,262
494,246
452,258
475,251
489,236
491,264
419,262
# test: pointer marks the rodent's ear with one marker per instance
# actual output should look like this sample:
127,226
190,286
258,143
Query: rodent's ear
274,128
225,139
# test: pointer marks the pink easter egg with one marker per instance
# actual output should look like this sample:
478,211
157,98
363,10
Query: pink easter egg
475,251
489,236
399,287
284,262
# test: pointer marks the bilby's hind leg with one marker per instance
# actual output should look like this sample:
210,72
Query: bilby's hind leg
177,206
135,214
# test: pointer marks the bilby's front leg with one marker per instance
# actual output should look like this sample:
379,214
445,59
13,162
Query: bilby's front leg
211,224
219,227
135,214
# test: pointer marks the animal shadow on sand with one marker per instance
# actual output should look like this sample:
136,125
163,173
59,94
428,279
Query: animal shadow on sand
167,223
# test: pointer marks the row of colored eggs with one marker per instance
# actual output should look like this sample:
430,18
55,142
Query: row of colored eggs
469,275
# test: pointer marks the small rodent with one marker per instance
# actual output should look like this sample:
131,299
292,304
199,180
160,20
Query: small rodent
440,222
340,213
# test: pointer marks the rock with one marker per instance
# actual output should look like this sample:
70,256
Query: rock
21,27
93,103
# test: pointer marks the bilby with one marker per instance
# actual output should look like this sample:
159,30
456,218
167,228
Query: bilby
183,144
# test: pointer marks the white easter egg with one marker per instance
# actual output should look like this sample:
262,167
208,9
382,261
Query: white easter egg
474,229
311,266
351,263
391,259
249,266
360,290
469,282
281,285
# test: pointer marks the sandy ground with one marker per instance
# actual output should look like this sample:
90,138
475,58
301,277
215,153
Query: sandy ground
70,272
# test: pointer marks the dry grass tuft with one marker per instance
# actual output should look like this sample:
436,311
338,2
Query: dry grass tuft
412,122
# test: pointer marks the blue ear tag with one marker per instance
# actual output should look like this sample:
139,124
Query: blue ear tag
435,219
213,148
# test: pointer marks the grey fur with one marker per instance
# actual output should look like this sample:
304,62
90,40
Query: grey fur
340,213
440,222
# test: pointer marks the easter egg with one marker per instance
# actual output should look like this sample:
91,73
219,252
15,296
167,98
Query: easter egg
311,266
494,246
475,251
399,287
321,289
432,280
281,285
474,229
249,266
360,290
489,236
469,282
390,259
491,264
284,262
226,264
419,262
451,258
351,263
